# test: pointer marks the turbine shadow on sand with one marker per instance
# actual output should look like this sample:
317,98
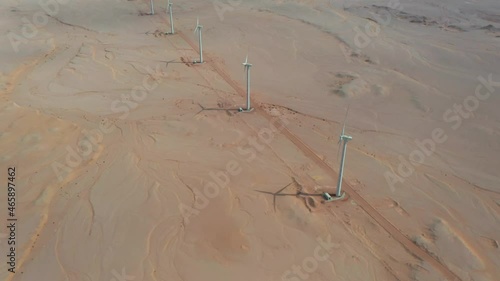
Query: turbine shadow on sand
278,193
216,108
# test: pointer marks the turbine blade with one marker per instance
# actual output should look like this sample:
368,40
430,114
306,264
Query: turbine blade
338,149
197,25
345,120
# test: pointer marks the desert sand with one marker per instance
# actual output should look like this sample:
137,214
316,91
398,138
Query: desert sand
132,163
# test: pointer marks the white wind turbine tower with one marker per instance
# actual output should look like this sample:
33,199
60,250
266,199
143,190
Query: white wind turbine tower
198,28
169,9
344,139
246,67
152,7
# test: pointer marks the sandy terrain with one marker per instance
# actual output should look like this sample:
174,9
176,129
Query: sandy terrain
134,164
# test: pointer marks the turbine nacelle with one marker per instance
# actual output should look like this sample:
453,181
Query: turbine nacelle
345,138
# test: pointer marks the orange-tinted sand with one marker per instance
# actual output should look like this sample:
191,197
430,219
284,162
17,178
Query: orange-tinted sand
133,164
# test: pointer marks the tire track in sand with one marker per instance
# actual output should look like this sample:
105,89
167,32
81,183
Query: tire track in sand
365,205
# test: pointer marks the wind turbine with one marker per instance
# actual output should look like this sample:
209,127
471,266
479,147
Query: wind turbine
246,67
152,7
344,139
198,28
169,9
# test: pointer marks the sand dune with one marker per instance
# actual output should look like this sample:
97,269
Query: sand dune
133,163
